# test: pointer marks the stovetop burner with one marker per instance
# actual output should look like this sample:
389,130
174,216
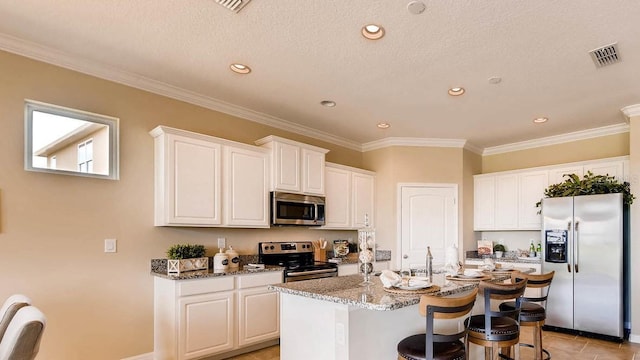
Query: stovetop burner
297,259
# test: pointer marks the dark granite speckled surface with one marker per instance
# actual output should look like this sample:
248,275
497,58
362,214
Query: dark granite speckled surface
348,291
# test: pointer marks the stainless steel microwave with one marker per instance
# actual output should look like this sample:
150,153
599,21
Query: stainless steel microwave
296,209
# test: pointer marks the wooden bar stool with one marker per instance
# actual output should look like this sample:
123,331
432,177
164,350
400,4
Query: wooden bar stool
533,310
498,329
430,346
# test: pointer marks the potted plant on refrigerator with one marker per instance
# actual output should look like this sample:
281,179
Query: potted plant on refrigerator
186,257
590,184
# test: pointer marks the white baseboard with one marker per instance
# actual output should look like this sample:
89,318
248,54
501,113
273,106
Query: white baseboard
147,356
634,338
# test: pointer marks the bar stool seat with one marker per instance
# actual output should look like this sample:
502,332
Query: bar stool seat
414,348
498,330
441,344
533,309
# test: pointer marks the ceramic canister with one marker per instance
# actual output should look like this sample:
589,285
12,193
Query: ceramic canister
234,259
220,261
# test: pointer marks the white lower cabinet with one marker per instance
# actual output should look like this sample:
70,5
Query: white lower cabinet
258,310
199,318
206,324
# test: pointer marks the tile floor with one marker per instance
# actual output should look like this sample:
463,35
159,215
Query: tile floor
561,346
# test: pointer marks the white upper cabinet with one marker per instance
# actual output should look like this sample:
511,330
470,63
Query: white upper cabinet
363,204
246,187
349,197
187,180
206,181
507,200
613,167
295,167
531,190
484,202
337,199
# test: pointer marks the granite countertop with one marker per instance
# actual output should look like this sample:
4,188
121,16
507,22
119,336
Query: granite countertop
348,291
509,256
202,274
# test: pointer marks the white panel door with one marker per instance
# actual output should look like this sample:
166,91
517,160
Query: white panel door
429,217
206,325
193,181
246,188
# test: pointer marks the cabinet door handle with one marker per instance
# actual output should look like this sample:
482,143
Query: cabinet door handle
405,256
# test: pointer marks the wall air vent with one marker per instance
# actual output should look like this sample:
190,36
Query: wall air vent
233,5
606,55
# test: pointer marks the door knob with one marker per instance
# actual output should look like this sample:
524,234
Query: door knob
405,256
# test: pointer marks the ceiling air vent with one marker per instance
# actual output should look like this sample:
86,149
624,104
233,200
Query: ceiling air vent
233,5
606,55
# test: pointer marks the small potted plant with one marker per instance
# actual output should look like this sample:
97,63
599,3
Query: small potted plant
499,250
186,257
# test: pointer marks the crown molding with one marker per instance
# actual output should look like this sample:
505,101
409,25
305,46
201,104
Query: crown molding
558,139
406,141
61,59
631,111
64,60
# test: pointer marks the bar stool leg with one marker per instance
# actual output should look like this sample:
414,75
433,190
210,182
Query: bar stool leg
537,341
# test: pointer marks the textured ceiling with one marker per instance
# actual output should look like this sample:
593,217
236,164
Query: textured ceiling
302,52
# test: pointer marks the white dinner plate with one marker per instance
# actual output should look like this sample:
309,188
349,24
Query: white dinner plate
462,276
416,286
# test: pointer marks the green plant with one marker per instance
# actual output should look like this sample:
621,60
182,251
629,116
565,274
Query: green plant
590,184
499,247
186,251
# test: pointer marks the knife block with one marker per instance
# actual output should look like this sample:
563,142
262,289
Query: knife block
320,255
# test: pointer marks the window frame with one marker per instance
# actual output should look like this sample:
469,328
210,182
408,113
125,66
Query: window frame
111,122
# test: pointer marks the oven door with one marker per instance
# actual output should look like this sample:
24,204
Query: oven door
291,276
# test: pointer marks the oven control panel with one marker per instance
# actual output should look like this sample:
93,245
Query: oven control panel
286,247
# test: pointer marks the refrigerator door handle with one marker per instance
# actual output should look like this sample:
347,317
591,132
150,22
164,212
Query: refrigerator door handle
577,246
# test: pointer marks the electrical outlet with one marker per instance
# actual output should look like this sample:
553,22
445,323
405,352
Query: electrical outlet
222,242
110,245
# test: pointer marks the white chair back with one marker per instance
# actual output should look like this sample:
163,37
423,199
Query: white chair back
22,338
9,310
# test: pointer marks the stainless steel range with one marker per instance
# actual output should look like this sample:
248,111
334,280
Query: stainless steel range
297,259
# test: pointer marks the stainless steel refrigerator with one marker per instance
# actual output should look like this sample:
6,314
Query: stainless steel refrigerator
583,243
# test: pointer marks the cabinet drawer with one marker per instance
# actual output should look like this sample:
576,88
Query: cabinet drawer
247,281
201,286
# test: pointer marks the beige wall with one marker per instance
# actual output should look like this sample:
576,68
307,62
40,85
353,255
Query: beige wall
52,227
471,165
395,165
589,149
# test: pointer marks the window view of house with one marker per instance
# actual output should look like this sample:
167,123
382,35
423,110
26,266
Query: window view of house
65,143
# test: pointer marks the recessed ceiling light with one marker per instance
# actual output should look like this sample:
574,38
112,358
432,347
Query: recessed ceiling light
240,68
416,7
372,31
495,80
456,91
328,103
383,125
540,120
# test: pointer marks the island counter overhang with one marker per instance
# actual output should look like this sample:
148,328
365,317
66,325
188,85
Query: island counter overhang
337,318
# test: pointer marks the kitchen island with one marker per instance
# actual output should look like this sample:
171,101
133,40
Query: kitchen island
337,318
